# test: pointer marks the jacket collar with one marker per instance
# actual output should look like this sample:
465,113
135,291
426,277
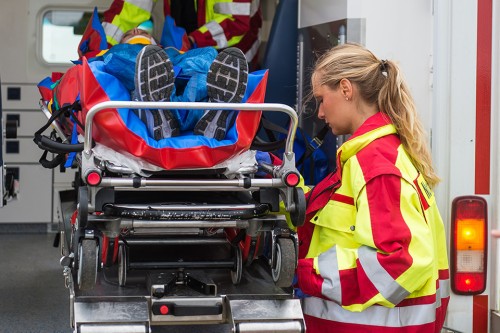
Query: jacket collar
377,126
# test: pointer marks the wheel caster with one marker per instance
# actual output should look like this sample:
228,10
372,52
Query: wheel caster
298,216
284,265
122,265
237,271
88,261
82,207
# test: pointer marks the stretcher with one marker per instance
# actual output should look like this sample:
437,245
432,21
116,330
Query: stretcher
199,245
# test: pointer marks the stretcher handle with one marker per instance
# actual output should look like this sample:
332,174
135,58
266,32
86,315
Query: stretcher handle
55,147
275,107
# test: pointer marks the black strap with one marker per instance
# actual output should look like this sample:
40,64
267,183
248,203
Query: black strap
270,128
75,108
53,117
314,144
51,164
273,144
72,108
52,145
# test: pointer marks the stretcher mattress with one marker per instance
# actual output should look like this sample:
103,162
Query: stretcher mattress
121,130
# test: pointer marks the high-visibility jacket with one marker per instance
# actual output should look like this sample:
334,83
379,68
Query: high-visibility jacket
124,15
223,23
373,252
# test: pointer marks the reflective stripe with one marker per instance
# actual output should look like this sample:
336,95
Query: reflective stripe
373,316
444,286
217,34
443,291
254,7
385,284
232,8
329,269
250,54
131,11
147,5
112,32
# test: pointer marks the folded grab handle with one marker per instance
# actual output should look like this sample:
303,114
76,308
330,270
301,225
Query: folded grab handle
56,147
53,146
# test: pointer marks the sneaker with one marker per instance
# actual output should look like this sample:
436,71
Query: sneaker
226,83
160,123
154,82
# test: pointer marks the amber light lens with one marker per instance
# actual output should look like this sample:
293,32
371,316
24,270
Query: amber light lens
470,234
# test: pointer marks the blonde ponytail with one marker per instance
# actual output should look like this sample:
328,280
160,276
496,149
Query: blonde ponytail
380,83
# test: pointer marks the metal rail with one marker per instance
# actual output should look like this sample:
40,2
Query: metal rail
188,184
275,107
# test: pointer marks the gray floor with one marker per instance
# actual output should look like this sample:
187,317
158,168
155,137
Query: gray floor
33,298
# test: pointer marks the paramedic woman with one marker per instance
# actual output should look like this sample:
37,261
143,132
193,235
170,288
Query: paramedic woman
372,253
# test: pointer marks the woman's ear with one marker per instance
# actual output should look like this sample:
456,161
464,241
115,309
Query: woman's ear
346,88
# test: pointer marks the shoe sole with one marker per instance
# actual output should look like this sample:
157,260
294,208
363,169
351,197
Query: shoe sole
213,124
154,78
226,83
155,82
155,120
227,77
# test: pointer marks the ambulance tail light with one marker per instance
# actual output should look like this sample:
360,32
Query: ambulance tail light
468,245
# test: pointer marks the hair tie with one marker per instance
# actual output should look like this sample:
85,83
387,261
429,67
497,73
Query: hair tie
383,67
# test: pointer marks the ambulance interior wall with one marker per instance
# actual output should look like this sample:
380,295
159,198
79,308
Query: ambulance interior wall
21,68
392,29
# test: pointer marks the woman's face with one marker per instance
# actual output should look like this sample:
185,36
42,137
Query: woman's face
333,108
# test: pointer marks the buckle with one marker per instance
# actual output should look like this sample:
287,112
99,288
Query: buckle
316,143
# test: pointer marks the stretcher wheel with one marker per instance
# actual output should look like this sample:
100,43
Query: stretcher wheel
285,262
122,265
298,216
237,271
83,206
88,256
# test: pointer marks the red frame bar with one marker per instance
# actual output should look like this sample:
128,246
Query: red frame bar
483,96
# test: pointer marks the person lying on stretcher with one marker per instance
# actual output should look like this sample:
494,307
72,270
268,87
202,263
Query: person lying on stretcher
151,73
212,76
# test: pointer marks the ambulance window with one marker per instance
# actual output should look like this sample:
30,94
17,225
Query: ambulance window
62,31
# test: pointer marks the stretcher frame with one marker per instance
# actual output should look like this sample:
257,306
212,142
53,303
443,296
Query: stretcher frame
82,249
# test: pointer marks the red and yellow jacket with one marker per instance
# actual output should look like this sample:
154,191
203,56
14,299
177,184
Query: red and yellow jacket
124,15
373,252
220,23
225,23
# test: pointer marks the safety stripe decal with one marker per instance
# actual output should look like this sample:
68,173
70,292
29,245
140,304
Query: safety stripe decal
232,8
329,269
385,284
250,54
113,32
217,33
254,7
147,5
483,97
343,198
373,316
